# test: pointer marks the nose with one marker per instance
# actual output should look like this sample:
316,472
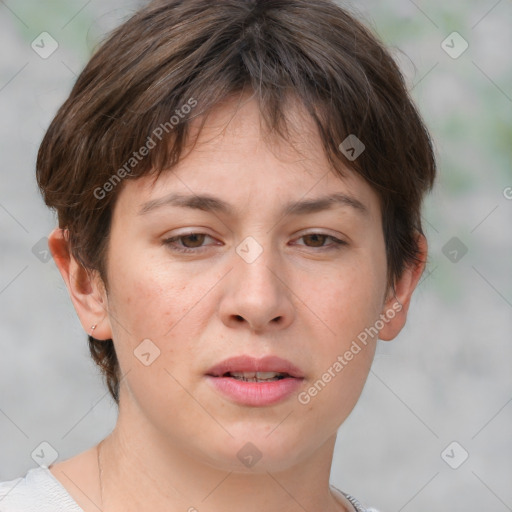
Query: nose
257,296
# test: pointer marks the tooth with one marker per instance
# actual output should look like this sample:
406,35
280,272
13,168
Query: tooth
246,375
266,375
255,375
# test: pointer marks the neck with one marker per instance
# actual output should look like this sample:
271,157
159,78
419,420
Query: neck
139,470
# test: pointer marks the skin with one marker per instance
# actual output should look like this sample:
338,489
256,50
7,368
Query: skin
304,299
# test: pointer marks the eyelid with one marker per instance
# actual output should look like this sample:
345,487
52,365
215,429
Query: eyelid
337,240
320,231
169,240
323,231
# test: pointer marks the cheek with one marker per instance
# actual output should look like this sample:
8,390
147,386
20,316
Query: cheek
351,306
349,299
153,297
348,302
155,312
169,306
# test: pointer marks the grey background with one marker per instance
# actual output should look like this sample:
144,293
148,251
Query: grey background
446,378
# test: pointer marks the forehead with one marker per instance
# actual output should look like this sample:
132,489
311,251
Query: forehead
233,156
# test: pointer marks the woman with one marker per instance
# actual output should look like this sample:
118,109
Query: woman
239,187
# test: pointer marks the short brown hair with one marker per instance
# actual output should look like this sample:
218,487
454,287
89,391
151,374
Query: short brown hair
172,51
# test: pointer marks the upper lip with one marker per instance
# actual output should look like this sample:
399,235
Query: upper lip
247,363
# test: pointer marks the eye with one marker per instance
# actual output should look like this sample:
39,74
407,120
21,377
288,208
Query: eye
190,242
193,242
318,239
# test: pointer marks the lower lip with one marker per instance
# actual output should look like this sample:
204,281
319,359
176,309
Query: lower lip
255,393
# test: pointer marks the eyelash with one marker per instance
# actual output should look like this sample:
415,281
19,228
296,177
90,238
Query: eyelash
337,243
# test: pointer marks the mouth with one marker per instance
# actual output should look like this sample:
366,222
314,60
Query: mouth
252,369
249,381
258,376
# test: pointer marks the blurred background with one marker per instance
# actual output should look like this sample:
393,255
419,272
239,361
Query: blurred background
433,429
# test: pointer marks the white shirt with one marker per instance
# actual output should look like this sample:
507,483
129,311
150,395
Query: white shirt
37,491
40,491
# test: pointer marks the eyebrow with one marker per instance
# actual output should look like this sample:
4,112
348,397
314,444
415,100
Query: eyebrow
213,204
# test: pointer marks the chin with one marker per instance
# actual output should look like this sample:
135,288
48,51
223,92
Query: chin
253,450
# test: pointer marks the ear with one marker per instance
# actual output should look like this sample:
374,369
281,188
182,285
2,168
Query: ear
85,287
396,306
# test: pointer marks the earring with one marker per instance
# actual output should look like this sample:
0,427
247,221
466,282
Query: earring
92,329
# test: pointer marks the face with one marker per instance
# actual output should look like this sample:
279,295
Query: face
264,267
